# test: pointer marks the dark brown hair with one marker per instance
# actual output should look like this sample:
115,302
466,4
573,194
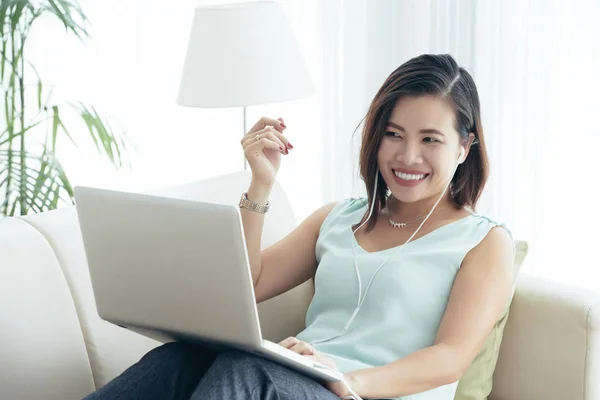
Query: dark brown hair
434,75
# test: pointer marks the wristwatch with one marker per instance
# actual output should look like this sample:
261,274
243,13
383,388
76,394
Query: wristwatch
252,205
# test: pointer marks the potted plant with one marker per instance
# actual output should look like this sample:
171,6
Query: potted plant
31,176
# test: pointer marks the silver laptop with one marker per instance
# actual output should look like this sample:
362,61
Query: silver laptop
175,269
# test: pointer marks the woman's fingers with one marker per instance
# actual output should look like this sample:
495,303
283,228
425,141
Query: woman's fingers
268,133
306,349
262,123
289,342
298,346
263,143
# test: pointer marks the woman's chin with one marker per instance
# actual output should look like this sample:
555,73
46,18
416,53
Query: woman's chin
408,196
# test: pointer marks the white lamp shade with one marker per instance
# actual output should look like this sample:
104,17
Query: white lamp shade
240,55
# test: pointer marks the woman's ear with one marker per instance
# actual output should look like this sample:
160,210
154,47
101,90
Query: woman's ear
466,144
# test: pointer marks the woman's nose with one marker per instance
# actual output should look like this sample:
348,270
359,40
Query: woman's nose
409,154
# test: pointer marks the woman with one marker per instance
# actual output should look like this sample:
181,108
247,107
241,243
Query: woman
409,282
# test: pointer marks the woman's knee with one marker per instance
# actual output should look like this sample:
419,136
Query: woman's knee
238,359
172,352
240,363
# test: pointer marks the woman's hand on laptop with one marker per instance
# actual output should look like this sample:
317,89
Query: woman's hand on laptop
263,146
298,346
309,351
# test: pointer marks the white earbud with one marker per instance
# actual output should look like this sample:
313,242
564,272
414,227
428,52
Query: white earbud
461,155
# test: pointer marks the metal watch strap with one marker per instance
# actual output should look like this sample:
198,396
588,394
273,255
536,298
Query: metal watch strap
252,205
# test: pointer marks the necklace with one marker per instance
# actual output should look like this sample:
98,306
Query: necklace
395,224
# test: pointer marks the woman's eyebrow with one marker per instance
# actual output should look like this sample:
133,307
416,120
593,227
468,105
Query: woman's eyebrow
429,131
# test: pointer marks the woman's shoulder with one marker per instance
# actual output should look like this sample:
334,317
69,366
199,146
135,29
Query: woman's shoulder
489,222
349,206
491,231
344,210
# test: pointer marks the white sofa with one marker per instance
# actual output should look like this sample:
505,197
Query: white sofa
53,345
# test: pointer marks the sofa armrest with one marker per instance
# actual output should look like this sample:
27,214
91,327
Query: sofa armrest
551,345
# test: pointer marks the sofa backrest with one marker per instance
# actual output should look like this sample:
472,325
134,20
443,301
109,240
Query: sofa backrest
111,348
42,350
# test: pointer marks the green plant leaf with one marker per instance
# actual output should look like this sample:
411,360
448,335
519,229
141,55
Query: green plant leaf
7,109
39,181
40,186
34,180
16,14
57,123
63,12
3,58
13,209
20,17
40,88
39,195
106,141
74,6
60,173
4,5
21,133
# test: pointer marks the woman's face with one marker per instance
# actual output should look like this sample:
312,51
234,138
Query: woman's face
420,148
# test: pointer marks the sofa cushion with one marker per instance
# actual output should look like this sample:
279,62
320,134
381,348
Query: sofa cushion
476,383
42,350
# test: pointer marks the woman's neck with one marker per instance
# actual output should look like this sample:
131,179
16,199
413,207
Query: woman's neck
400,212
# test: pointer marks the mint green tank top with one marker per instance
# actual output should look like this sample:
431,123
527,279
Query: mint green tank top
403,307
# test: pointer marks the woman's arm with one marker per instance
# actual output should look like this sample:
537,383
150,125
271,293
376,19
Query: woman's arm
479,298
288,262
292,260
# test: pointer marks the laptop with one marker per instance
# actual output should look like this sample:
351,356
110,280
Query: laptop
174,269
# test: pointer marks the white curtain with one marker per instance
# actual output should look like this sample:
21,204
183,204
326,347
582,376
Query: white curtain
536,64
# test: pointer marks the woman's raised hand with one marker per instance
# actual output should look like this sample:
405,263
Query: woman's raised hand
263,146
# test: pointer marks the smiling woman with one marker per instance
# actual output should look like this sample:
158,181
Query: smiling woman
415,130
404,332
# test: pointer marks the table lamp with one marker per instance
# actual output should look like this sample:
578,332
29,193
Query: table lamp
242,54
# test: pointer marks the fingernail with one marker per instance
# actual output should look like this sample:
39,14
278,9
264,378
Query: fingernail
290,146
280,148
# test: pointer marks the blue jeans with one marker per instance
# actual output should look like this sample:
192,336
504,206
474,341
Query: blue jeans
184,371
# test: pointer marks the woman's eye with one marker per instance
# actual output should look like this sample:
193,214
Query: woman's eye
392,134
430,140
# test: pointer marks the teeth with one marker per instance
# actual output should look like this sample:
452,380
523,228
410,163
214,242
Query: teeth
409,177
